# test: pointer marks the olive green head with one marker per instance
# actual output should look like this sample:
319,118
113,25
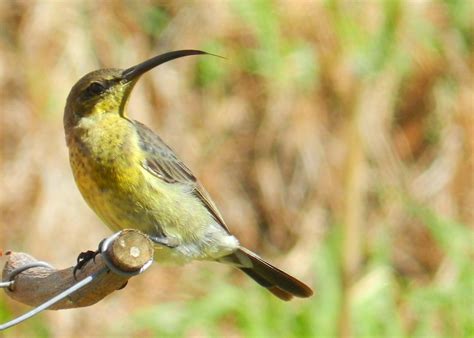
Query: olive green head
99,92
106,91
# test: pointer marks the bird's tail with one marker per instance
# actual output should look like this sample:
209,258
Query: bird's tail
276,281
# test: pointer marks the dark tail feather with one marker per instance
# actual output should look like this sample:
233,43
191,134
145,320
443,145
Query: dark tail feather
276,281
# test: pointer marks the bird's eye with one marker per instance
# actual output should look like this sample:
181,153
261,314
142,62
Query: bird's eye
95,88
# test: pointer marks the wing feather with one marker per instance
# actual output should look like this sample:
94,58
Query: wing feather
162,162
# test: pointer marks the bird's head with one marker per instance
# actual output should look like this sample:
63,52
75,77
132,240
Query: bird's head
107,90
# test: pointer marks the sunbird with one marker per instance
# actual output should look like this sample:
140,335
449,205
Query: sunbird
134,180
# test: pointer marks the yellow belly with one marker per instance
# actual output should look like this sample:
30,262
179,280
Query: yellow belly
124,195
106,167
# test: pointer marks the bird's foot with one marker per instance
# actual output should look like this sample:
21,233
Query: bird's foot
84,258
165,241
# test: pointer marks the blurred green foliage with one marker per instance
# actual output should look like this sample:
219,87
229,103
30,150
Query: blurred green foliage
436,311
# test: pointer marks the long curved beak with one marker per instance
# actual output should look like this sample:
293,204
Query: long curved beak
134,72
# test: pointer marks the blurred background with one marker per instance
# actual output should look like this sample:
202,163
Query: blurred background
336,139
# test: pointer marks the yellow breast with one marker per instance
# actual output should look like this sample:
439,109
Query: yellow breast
105,161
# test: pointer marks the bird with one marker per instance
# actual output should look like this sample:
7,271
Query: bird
133,180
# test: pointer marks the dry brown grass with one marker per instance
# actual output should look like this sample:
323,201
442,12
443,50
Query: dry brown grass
315,119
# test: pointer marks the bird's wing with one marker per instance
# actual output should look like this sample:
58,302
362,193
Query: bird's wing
162,162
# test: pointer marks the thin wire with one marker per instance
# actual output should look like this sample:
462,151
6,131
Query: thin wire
53,300
103,250
73,288
11,276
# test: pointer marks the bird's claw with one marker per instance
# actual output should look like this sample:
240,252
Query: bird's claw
166,241
83,259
